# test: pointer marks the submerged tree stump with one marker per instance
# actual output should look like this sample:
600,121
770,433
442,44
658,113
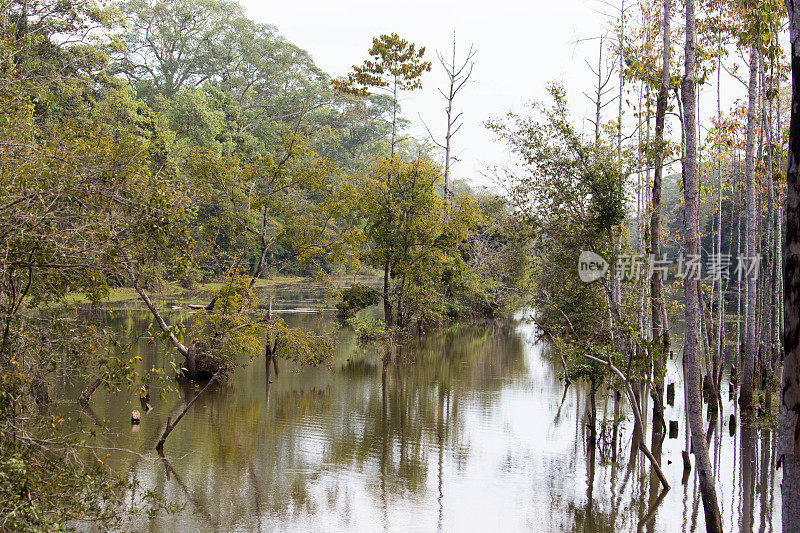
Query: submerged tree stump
88,391
200,366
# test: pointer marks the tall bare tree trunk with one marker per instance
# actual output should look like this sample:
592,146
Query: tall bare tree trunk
779,232
738,185
789,430
719,347
772,286
616,237
621,43
748,365
692,303
458,75
387,303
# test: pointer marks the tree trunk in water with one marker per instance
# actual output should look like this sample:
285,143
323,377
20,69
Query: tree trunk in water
638,440
738,362
171,425
592,418
88,391
789,425
159,319
719,346
656,299
692,302
387,304
191,362
709,386
270,349
748,365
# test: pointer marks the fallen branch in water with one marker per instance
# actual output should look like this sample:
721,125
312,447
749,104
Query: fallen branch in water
637,415
171,425
83,401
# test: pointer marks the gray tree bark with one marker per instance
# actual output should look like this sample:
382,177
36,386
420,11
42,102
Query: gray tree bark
692,303
772,285
789,424
748,365
458,75
719,345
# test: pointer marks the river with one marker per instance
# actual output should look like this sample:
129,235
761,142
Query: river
468,429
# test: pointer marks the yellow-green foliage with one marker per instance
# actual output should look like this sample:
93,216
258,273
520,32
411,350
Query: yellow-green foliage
231,330
579,367
298,345
368,329
235,329
289,200
411,228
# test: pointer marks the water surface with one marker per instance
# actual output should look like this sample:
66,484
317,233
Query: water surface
467,429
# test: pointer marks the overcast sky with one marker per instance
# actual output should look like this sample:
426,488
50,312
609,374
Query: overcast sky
521,46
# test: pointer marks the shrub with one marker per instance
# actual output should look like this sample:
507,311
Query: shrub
355,298
368,329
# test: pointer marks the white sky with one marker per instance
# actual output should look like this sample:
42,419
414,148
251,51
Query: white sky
521,46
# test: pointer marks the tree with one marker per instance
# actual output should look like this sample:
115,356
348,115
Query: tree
603,73
691,295
423,250
658,311
789,434
396,67
458,75
746,396
76,169
173,44
572,195
286,201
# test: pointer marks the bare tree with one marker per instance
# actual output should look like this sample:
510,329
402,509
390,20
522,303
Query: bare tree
458,75
602,89
746,396
660,337
691,295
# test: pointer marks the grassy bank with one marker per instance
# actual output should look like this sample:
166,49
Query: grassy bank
172,291
174,294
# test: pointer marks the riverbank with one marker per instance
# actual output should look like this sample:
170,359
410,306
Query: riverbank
172,294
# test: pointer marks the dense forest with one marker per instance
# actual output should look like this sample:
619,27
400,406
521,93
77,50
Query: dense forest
154,147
